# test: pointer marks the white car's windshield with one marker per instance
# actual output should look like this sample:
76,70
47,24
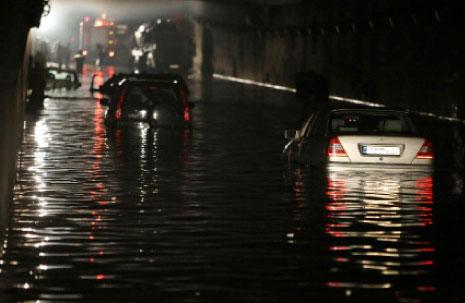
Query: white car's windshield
366,122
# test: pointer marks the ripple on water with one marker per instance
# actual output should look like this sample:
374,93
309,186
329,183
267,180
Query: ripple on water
205,215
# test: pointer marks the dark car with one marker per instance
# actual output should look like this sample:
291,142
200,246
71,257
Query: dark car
158,102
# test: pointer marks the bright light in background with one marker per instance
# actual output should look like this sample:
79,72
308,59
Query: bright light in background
51,22
62,23
48,23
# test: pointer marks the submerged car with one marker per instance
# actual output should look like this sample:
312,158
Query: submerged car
158,102
359,138
57,78
111,85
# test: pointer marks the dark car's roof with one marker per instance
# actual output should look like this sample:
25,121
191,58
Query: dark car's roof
145,82
165,76
173,79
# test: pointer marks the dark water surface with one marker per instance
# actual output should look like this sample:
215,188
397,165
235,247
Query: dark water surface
211,214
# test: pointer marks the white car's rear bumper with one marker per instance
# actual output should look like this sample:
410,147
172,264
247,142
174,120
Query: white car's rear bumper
341,166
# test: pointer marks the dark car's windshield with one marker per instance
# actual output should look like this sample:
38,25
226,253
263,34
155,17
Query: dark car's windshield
149,95
371,122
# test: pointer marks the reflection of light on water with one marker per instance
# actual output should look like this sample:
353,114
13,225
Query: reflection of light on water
40,134
42,267
424,189
98,193
375,223
41,139
356,285
143,136
155,147
143,127
98,79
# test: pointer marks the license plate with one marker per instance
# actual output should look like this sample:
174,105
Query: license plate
377,150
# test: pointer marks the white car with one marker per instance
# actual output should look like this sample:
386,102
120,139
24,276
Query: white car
359,138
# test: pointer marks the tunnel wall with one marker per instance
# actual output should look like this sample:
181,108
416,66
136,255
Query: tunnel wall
410,58
15,21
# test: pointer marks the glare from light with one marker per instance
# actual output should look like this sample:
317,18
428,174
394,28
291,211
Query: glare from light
98,23
143,114
50,23
40,134
42,267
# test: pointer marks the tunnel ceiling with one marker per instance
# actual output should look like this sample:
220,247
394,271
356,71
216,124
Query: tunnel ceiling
258,13
122,2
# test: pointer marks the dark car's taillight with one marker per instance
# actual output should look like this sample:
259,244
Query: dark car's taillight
186,108
119,104
426,150
335,148
187,115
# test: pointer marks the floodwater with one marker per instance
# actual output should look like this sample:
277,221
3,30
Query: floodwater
211,214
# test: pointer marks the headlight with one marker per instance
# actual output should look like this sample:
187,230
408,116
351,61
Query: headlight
155,115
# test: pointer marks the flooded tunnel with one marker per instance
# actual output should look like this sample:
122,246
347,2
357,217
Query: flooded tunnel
204,209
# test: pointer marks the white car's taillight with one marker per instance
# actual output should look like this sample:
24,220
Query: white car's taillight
426,151
335,148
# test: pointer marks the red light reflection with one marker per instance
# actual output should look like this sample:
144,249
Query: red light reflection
100,277
98,192
424,190
424,197
426,288
377,223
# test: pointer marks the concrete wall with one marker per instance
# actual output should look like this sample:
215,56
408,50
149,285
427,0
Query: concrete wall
15,21
415,62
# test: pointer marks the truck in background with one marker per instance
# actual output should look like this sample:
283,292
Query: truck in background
164,46
104,41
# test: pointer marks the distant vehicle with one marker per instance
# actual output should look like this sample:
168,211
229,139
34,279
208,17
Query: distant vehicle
152,99
61,78
359,138
164,46
103,40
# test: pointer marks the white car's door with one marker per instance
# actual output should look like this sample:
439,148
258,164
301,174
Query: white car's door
292,148
313,143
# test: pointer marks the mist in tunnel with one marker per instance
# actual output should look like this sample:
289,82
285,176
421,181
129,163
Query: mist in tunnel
66,14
